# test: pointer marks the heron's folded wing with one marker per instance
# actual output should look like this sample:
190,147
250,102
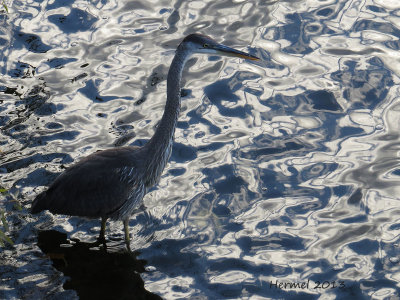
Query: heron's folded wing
93,187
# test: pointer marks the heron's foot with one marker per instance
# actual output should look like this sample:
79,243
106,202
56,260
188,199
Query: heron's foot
128,247
101,241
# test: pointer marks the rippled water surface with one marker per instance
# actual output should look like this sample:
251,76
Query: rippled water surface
284,170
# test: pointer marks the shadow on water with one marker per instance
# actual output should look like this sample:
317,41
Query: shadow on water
95,274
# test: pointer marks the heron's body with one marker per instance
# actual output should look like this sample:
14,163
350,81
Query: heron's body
112,183
78,194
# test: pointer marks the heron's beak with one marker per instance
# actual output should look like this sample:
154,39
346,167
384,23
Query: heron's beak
226,51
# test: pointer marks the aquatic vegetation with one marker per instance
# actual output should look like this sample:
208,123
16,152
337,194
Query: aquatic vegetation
3,3
4,224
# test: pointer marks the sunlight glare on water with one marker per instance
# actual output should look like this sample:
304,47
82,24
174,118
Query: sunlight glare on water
284,170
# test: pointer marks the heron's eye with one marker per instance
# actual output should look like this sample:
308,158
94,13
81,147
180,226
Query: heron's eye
205,45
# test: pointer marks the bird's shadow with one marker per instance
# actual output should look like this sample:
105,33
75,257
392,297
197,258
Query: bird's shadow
95,273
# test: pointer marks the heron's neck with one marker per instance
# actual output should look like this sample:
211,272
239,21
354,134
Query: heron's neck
160,144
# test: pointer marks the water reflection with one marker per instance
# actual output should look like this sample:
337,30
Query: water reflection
95,273
285,170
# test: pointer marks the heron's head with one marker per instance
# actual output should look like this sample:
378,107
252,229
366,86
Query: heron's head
198,43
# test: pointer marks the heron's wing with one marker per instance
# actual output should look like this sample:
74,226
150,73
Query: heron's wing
97,186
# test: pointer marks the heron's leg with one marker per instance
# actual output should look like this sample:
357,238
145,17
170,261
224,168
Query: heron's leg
101,238
127,236
102,228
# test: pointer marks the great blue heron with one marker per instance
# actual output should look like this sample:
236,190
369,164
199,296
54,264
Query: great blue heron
112,183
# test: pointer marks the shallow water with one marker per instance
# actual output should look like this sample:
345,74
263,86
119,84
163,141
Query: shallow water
283,170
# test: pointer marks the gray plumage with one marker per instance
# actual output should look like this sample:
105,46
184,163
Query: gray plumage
113,182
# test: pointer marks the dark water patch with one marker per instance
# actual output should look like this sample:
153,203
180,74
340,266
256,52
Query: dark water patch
177,171
317,170
223,179
59,62
79,77
148,223
199,134
183,153
157,76
224,90
233,227
373,25
190,263
376,9
272,186
172,21
394,45
323,100
250,245
252,91
3,42
35,98
304,208
394,227
102,115
343,52
95,274
123,128
211,147
54,125
10,91
262,227
310,103
372,84
299,28
35,158
30,41
355,197
221,211
396,172
220,91
196,116
378,280
91,91
232,184
238,264
293,31
130,118
30,103
356,219
124,139
351,131
38,177
325,12
45,138
47,109
365,247
284,220
347,234
390,137
171,252
77,20
22,70
182,125
344,289
309,70
272,151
